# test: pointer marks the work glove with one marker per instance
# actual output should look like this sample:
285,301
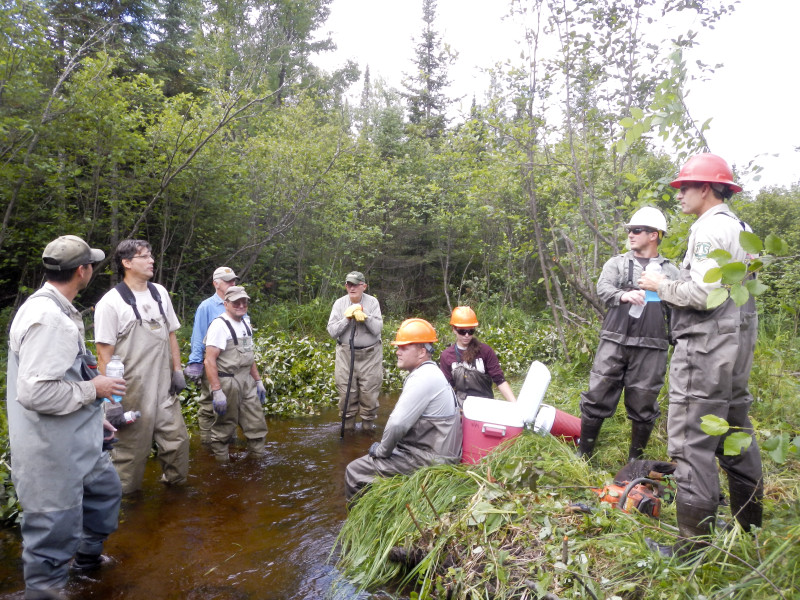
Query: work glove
351,309
373,449
194,372
359,315
219,401
261,392
178,383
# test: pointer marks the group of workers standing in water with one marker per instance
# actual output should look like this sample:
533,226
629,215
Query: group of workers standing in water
70,487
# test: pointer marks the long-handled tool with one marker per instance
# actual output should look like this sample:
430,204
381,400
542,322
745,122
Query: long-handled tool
350,376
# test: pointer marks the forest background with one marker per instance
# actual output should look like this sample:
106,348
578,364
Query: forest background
206,129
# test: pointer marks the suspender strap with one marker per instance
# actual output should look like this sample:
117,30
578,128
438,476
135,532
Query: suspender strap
233,333
630,272
127,295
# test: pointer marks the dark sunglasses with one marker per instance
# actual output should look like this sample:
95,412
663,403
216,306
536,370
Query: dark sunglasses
638,230
465,331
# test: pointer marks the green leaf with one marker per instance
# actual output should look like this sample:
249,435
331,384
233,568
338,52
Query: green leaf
733,272
776,245
714,425
716,297
755,287
636,112
712,275
626,122
739,294
750,242
736,442
778,447
722,257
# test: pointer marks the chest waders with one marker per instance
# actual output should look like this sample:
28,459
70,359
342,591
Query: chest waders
469,381
144,349
429,441
244,409
66,485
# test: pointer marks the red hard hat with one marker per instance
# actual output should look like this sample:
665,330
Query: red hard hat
706,168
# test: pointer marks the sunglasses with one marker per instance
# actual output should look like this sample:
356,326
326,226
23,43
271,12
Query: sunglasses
638,230
465,331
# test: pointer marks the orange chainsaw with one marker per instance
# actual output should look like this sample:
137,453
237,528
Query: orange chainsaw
641,494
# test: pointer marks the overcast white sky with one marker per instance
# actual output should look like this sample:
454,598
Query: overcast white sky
753,99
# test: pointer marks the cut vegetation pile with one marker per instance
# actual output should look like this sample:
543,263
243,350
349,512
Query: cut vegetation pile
510,528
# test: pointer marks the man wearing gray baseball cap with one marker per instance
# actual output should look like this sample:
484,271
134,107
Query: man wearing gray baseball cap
356,323
68,489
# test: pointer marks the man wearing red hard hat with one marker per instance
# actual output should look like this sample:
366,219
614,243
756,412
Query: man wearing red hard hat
711,363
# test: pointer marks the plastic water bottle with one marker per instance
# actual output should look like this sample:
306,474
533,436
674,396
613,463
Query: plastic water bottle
654,268
636,310
115,368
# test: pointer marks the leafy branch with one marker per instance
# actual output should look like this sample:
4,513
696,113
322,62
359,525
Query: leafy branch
737,278
779,446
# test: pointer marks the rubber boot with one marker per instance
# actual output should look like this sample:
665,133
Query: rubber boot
256,447
85,563
52,594
746,501
640,435
350,423
590,429
695,526
221,451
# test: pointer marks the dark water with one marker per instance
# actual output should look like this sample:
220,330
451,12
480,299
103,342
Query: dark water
253,529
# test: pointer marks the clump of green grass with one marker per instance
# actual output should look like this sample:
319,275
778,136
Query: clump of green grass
509,528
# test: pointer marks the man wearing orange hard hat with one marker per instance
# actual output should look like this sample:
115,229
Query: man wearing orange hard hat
425,425
711,363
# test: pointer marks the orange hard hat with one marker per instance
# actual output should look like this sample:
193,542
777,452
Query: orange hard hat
415,331
463,316
706,168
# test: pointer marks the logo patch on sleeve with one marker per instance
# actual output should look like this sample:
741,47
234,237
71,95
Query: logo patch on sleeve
701,250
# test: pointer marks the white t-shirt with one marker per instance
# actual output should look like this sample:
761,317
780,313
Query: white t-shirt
113,315
219,334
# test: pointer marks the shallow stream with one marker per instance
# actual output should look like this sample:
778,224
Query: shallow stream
253,529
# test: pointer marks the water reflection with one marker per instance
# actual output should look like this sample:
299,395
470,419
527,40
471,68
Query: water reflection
252,529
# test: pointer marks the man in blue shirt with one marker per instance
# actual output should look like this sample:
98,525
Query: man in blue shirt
209,309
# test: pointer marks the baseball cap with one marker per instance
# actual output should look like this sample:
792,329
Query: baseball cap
355,277
68,252
225,273
235,292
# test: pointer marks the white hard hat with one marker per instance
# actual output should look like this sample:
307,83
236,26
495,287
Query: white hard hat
649,217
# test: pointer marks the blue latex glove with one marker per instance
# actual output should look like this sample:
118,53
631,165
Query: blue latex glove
219,401
261,392
373,449
178,383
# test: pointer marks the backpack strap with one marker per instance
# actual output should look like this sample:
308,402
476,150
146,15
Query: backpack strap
127,295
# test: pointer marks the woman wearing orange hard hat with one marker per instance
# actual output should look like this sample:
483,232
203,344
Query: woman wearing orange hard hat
469,365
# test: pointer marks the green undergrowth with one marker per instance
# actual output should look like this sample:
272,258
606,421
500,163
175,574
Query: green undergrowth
509,528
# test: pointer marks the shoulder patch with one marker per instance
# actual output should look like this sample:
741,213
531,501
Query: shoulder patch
701,250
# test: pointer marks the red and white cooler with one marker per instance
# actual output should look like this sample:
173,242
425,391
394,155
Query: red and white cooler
488,422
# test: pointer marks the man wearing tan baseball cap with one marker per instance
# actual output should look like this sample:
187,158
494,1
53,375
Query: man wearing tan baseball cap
208,310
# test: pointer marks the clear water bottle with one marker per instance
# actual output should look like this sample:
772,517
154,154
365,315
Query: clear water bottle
115,368
656,269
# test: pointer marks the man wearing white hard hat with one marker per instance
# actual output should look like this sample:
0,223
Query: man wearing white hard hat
632,354
208,310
